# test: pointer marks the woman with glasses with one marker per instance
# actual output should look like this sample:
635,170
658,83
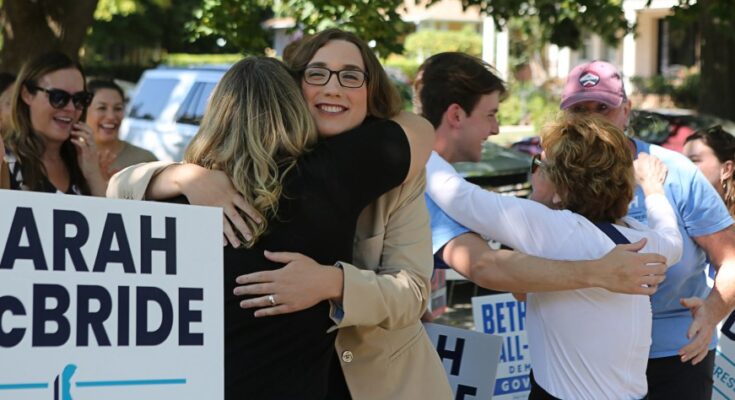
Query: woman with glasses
258,131
104,116
587,343
50,148
382,350
712,150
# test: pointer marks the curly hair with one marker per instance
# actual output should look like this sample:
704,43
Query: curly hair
256,126
589,161
384,101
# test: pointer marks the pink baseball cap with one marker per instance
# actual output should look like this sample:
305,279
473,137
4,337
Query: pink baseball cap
594,81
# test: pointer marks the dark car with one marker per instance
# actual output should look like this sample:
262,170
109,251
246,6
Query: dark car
669,128
500,170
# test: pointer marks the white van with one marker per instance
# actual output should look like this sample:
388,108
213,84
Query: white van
166,108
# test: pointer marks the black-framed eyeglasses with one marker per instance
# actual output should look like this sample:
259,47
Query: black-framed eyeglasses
58,98
536,162
349,78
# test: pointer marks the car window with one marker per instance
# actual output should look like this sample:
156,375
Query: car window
192,109
151,98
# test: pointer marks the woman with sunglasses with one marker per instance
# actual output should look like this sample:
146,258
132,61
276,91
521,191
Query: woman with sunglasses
587,343
712,150
104,116
383,351
50,149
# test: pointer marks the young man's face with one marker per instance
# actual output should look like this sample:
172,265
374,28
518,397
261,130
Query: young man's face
477,126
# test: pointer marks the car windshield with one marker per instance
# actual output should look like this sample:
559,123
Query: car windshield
151,98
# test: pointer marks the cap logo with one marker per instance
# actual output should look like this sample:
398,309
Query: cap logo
589,80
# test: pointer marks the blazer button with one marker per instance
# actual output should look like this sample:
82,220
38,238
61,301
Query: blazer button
347,356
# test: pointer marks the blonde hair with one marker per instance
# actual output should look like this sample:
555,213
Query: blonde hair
590,162
256,126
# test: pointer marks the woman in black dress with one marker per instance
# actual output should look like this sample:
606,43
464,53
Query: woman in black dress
307,197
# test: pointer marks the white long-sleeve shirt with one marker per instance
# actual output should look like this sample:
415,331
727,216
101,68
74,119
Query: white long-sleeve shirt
586,343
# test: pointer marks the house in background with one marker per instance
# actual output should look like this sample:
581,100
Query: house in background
653,51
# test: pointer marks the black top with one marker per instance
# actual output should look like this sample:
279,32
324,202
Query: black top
289,356
17,183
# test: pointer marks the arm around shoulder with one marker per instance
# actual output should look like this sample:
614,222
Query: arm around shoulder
132,182
420,135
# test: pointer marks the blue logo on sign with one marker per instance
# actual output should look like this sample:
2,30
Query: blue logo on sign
62,383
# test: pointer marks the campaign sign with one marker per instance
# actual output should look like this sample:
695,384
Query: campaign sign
470,359
724,372
503,315
109,299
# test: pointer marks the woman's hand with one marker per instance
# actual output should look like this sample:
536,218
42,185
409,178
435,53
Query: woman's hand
87,157
214,188
106,159
301,284
650,173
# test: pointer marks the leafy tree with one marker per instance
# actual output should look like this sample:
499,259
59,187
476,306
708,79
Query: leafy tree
424,43
240,21
33,27
563,21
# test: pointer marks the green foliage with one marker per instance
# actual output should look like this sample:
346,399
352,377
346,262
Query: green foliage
424,43
237,21
526,105
690,12
563,21
240,21
407,66
376,20
684,91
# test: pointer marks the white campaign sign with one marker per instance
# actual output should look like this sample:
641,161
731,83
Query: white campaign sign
724,373
470,359
503,315
109,299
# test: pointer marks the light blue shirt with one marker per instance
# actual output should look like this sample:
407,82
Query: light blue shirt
700,211
443,228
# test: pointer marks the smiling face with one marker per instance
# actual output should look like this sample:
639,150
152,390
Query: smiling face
54,125
335,108
476,127
105,114
705,159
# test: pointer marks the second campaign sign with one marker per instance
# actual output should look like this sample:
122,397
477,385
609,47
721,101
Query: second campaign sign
109,299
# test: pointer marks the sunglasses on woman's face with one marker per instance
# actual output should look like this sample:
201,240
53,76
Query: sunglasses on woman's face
536,162
58,98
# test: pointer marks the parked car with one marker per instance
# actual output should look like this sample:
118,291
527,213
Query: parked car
500,169
666,127
669,128
166,108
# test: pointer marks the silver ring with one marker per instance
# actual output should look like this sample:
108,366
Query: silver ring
272,300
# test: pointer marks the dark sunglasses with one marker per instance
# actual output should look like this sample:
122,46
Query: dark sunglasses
60,98
536,162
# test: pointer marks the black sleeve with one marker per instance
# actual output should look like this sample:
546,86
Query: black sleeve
367,161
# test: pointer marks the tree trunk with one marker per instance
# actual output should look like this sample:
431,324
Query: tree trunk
717,81
32,27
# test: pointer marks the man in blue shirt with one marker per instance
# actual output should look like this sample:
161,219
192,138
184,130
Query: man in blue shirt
685,311
460,95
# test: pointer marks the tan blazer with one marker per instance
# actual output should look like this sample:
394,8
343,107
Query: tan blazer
384,350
